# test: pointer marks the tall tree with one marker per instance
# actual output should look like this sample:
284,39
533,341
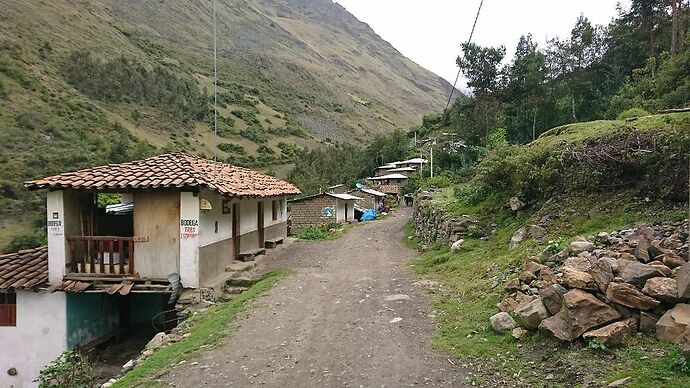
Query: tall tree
481,67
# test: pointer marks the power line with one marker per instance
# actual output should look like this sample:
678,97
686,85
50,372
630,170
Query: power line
460,69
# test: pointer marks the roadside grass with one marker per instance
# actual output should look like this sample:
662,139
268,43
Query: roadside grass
473,281
208,329
322,232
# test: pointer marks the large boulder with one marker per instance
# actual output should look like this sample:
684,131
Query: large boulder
456,246
637,273
557,327
648,322
627,295
683,279
613,334
575,278
502,322
517,238
552,297
158,341
672,260
602,273
675,325
531,314
517,300
641,252
579,263
585,311
663,289
581,246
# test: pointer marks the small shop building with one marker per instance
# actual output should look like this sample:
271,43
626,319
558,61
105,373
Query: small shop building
321,209
181,221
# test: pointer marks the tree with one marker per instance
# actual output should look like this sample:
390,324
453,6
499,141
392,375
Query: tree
679,24
481,67
524,90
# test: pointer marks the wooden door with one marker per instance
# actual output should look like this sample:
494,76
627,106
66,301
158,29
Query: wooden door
260,222
346,217
235,230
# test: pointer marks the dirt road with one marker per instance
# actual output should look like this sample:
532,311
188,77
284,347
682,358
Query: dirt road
351,316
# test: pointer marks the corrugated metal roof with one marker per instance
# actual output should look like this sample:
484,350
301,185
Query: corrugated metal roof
389,176
372,192
402,169
346,197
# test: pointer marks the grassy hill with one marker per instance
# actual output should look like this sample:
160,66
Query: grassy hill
576,180
97,81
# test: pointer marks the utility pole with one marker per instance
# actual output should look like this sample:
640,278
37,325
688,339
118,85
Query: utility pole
215,75
432,157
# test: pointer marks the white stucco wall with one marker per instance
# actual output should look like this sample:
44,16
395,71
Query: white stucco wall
189,239
339,210
208,219
268,211
57,246
248,216
39,337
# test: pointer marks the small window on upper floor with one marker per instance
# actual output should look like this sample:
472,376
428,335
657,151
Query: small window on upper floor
275,209
8,309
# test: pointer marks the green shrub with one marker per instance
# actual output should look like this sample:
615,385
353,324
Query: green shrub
633,112
70,369
232,148
313,233
28,241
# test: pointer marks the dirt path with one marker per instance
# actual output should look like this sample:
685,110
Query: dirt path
351,316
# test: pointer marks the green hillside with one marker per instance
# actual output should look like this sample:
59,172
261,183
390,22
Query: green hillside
92,82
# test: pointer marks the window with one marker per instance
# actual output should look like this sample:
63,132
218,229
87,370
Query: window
8,309
275,210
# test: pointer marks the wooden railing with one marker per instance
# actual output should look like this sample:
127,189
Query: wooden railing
108,255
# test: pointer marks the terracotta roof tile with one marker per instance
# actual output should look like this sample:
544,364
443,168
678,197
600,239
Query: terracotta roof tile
388,189
171,170
24,269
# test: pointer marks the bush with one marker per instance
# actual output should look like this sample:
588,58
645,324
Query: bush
70,369
633,112
320,232
232,148
28,241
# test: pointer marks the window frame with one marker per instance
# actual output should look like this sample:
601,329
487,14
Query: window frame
8,309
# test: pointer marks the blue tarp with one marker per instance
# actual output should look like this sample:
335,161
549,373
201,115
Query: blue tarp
368,215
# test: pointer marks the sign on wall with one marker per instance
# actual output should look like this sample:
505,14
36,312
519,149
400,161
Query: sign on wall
189,229
227,206
328,211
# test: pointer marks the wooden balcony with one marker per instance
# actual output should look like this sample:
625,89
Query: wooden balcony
102,255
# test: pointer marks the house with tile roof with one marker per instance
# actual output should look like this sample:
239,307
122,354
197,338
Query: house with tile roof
181,221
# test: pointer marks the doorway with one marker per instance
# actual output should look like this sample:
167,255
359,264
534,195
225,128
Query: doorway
235,231
260,222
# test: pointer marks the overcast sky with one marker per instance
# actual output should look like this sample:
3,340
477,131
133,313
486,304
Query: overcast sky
430,31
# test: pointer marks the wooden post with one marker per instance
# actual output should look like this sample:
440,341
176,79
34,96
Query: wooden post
131,257
121,252
101,256
112,256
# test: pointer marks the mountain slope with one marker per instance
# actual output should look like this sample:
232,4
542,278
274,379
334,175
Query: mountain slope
85,82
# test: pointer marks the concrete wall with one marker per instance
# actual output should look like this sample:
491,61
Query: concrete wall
157,215
90,316
188,224
310,211
208,219
39,337
213,259
62,208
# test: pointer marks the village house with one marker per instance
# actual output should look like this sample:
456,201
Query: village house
370,198
322,208
338,189
416,163
389,179
182,220
407,171
383,170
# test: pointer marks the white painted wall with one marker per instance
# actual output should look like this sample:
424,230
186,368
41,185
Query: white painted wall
208,219
248,216
189,240
268,211
339,210
39,337
57,245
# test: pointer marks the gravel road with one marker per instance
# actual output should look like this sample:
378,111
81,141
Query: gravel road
351,316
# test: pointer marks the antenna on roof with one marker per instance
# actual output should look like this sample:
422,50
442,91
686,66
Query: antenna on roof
215,79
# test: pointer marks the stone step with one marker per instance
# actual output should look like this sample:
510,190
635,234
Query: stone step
239,266
227,297
240,281
235,290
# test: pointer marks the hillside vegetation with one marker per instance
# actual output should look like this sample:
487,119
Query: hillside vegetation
84,83
577,180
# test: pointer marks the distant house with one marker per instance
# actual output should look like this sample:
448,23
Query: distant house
383,170
181,222
338,189
389,179
416,163
322,208
407,171
370,198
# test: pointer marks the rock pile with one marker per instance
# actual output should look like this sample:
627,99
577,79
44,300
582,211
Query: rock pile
605,288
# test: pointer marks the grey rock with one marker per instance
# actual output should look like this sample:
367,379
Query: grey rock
581,246
552,297
531,314
637,273
502,322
